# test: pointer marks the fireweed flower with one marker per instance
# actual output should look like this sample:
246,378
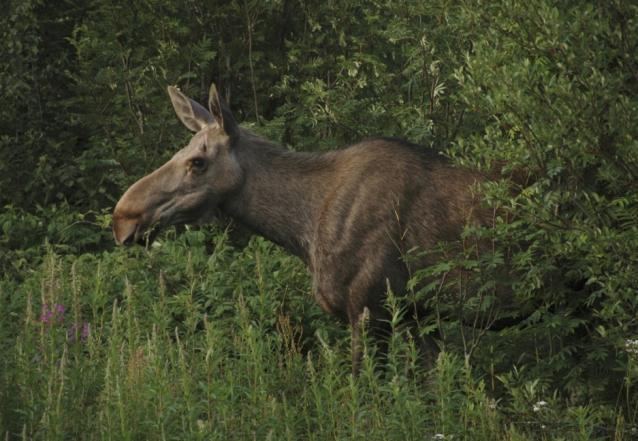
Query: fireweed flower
82,331
52,315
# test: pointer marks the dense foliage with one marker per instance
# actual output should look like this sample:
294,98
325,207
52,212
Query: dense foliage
543,96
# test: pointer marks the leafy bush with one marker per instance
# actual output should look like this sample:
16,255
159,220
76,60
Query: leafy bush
557,90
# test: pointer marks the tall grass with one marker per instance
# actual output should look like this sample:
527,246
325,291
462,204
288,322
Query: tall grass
181,342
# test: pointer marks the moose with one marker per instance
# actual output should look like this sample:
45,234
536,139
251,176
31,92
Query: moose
350,214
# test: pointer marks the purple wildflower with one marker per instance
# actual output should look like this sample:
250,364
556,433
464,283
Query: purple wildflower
49,316
82,331
86,331
54,314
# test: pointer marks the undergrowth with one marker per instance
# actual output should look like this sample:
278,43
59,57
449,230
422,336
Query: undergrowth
194,339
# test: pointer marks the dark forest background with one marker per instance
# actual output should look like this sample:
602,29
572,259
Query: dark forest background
544,93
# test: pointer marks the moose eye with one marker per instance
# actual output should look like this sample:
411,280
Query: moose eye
198,162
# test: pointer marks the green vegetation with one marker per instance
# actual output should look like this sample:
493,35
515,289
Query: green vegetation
204,336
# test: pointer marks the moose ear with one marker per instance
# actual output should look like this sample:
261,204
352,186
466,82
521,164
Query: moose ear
192,114
222,113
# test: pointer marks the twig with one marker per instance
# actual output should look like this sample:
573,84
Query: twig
249,28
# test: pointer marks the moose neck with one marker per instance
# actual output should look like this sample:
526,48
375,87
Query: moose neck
281,194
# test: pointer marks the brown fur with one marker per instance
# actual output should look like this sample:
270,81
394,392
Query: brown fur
350,215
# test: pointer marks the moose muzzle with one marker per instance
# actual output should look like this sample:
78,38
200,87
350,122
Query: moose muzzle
124,229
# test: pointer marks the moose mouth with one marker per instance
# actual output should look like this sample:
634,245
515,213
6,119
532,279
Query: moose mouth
129,232
138,235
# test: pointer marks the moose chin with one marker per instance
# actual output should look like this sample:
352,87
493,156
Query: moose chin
351,215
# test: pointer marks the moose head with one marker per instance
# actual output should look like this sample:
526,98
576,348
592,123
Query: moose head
187,188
